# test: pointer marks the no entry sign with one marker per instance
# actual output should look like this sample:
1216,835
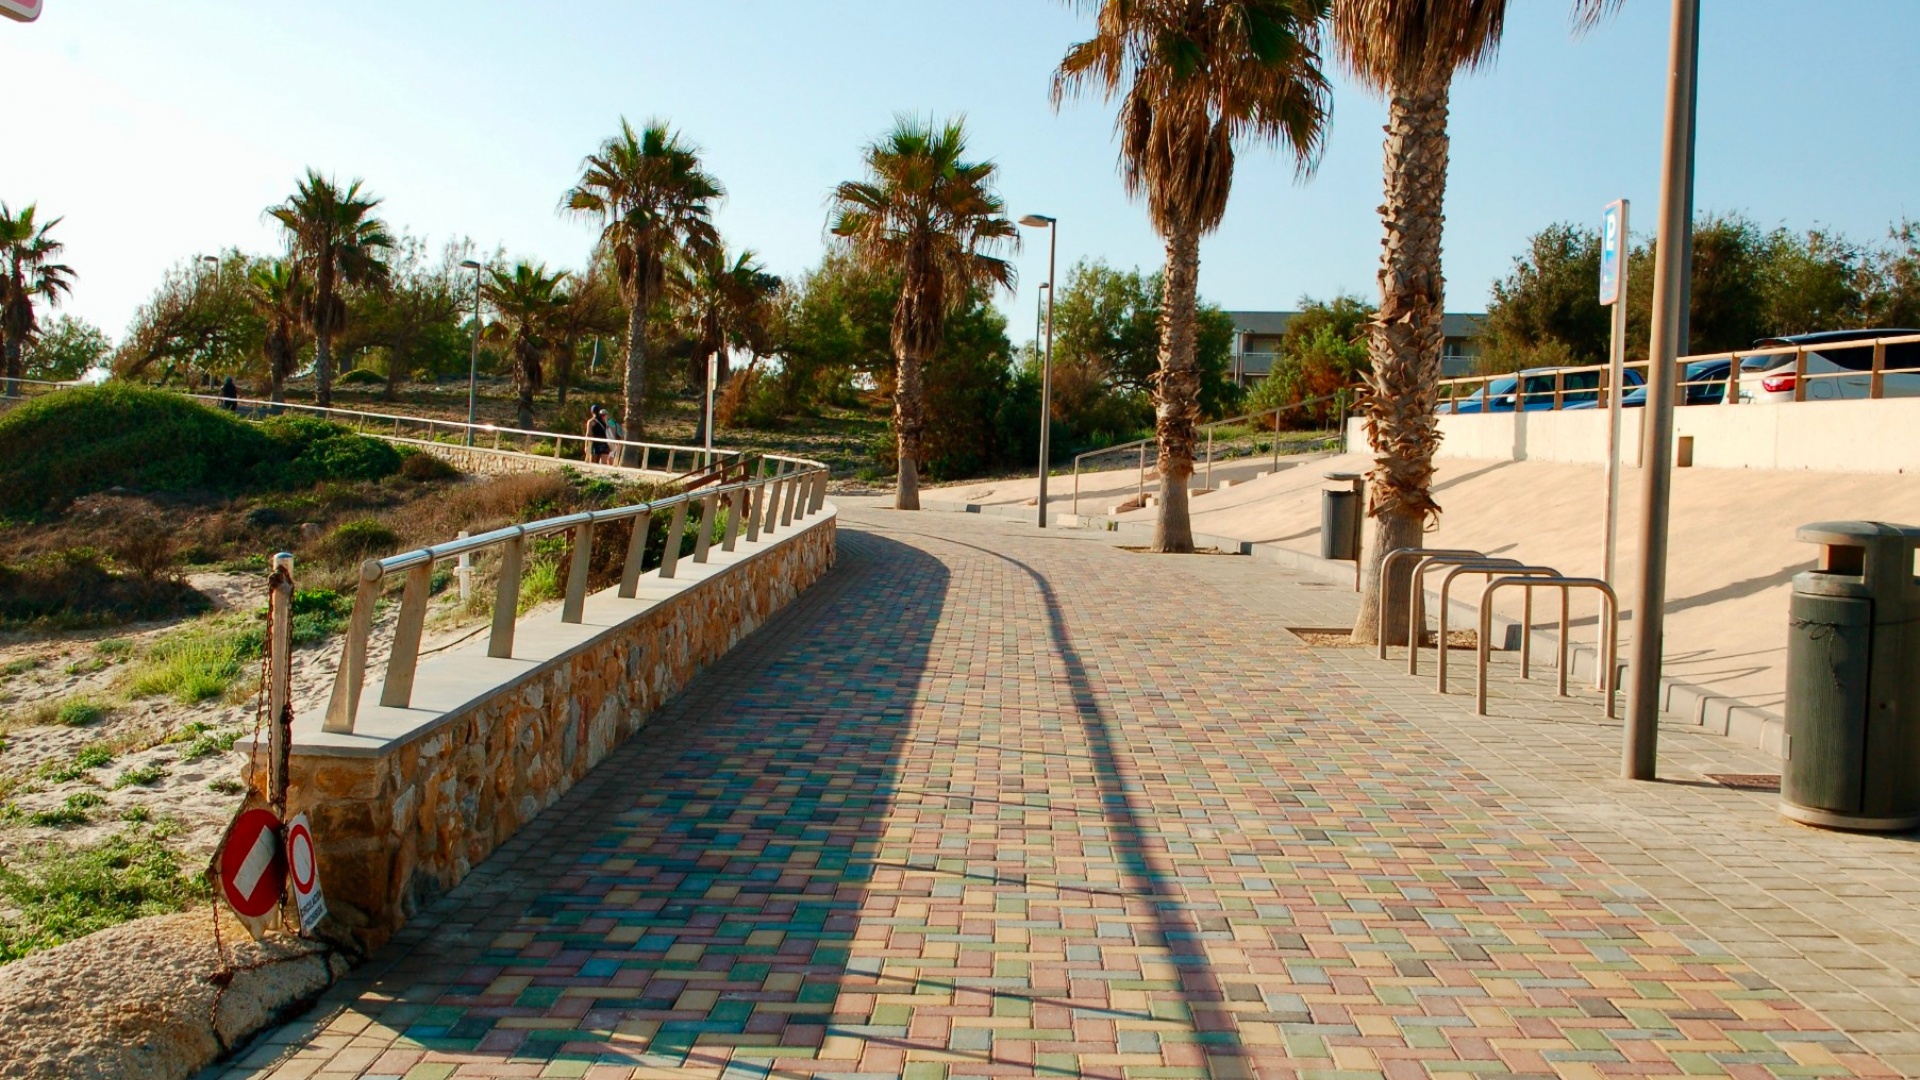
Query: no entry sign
22,10
253,869
303,873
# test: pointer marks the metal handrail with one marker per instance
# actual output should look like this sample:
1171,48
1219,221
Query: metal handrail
1490,568
792,489
1208,427
1876,373
1386,575
696,453
1610,607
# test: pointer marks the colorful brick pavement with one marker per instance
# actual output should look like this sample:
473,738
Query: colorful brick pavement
992,803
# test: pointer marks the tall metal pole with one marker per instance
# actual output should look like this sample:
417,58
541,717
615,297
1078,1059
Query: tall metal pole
1670,271
713,376
473,359
1616,388
1046,375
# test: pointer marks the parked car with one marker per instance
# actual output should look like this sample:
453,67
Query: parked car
1706,385
1578,388
1770,379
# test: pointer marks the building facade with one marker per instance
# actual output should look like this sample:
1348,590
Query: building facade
1257,336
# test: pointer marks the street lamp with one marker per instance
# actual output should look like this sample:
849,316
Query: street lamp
473,360
1671,269
1042,221
209,264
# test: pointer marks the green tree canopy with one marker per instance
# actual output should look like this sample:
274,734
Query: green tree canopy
66,348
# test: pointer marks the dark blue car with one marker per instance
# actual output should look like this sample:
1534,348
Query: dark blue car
1579,390
1706,384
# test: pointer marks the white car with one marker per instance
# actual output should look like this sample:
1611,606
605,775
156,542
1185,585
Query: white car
1770,379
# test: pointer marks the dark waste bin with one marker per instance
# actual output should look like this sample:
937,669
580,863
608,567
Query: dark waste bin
1852,754
1340,517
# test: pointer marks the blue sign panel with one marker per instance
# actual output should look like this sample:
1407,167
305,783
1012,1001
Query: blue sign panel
1612,244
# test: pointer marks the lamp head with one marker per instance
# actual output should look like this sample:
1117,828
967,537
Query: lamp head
470,264
1037,221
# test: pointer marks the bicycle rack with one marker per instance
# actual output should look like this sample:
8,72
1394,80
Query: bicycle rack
1417,612
1491,568
1386,575
1610,607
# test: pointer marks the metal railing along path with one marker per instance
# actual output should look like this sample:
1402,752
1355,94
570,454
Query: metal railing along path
792,489
1141,445
1491,569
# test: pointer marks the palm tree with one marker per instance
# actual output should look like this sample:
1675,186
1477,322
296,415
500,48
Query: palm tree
1409,51
336,241
1196,79
591,308
652,198
931,216
281,296
725,304
528,301
28,275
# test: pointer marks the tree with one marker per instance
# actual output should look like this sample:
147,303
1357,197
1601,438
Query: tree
652,198
590,308
527,302
200,319
1409,51
279,296
1893,298
1549,304
830,326
337,242
28,278
1195,78
1323,350
65,349
415,321
927,212
725,304
1817,280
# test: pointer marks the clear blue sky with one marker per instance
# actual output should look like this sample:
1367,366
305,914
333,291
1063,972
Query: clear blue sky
160,130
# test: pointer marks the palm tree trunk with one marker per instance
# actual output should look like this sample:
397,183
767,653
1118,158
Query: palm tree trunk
1405,343
1177,398
323,367
909,421
10,364
634,390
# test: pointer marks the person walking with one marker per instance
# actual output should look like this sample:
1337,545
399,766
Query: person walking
230,396
598,450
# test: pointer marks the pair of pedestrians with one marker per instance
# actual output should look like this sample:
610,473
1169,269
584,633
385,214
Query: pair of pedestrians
601,427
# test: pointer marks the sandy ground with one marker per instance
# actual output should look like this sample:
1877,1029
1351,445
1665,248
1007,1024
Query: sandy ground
1733,555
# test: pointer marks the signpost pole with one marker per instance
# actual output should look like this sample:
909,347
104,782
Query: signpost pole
1615,250
279,680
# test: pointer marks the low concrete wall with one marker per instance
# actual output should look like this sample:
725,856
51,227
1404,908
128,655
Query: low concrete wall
405,806
1821,436
486,461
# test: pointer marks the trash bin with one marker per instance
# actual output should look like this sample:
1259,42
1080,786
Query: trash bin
1340,516
1852,754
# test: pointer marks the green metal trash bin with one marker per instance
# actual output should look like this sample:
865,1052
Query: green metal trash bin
1852,754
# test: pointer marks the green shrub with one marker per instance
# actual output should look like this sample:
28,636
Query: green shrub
117,648
60,893
81,712
94,756
195,664
318,614
210,744
423,467
139,775
363,538
75,588
360,377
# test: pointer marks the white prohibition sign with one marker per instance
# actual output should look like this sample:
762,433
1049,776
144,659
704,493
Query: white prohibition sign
300,857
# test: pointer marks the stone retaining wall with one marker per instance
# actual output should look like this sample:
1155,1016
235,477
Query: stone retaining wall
486,461
401,822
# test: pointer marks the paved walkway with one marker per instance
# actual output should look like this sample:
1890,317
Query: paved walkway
988,802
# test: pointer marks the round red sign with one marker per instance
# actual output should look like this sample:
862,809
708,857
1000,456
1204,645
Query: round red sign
253,869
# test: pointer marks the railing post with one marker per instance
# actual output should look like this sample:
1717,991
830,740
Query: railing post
397,691
709,511
819,490
645,453
1800,374
756,505
279,680
352,675
1733,382
786,502
1143,472
736,514
1209,480
1559,390
1276,439
1877,382
574,607
1076,487
506,598
636,554
771,519
670,558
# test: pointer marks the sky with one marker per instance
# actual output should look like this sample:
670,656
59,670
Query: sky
161,131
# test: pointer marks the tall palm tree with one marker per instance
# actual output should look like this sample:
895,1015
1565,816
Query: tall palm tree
334,238
725,303
591,308
1196,79
1409,52
932,216
527,301
280,294
652,198
28,275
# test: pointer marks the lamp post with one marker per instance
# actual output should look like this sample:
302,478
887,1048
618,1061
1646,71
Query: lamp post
473,358
1042,221
1671,268
208,264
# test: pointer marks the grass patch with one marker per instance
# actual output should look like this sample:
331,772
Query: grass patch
81,712
209,744
195,664
92,756
114,648
63,892
139,775
20,666
226,785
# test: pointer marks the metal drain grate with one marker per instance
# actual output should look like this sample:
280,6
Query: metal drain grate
1747,781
